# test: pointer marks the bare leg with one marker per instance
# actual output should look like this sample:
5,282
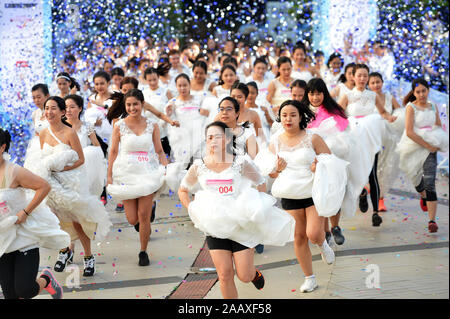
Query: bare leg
245,266
144,212
301,246
84,239
223,261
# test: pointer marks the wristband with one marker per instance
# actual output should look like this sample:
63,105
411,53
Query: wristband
26,212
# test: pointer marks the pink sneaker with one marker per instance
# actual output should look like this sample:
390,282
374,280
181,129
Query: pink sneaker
53,288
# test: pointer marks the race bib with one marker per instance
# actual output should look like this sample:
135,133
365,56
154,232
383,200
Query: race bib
221,186
4,210
189,108
138,157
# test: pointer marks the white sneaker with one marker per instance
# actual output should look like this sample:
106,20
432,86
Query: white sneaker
327,253
309,285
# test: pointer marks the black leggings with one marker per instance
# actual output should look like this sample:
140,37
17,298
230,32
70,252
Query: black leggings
374,186
428,181
18,271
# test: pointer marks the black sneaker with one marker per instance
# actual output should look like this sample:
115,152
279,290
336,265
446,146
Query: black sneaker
89,266
328,237
64,257
376,220
363,204
258,281
259,249
120,208
136,227
337,234
153,213
143,259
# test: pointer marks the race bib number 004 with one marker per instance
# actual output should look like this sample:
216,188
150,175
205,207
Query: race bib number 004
221,186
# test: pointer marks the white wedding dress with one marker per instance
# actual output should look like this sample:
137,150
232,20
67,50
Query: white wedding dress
136,171
70,198
413,155
227,206
41,228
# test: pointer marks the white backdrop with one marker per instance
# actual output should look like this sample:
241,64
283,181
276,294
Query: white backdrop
25,55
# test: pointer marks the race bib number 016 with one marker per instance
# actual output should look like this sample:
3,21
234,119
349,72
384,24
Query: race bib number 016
221,186
137,157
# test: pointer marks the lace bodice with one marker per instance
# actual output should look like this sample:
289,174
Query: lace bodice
343,90
302,75
360,103
130,142
227,182
221,92
83,133
281,94
297,157
187,110
424,118
387,103
241,140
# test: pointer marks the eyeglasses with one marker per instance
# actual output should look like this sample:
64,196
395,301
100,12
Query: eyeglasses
215,137
225,109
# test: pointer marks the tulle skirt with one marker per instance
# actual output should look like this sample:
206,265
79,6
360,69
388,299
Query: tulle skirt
250,218
388,169
41,226
70,198
412,156
132,180
95,165
186,140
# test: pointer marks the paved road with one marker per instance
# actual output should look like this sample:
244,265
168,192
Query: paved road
411,263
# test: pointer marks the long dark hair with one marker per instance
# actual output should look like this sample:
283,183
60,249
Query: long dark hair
305,113
410,96
226,66
318,85
161,70
282,60
5,138
230,147
200,64
66,76
342,78
117,109
61,106
334,56
241,87
237,108
78,101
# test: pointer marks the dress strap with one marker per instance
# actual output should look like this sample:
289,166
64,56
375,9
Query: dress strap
54,136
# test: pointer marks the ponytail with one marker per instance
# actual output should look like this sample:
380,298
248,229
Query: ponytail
5,138
117,109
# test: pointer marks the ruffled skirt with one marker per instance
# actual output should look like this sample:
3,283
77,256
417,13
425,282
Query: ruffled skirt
251,218
412,156
132,181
